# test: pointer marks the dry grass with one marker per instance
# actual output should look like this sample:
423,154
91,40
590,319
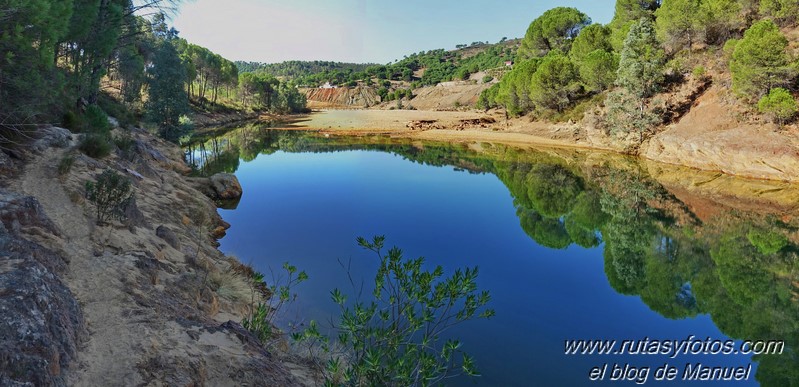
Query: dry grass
233,287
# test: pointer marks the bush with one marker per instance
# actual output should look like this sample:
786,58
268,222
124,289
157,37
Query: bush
780,104
767,242
262,316
95,145
66,165
72,121
110,194
96,120
487,79
699,72
125,144
395,340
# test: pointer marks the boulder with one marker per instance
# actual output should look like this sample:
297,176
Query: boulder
226,186
168,236
41,323
52,137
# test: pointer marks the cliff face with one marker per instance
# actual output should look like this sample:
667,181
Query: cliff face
342,97
712,137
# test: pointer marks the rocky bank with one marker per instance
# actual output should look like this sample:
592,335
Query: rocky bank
147,301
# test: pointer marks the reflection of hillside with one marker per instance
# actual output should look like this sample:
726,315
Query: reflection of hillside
683,252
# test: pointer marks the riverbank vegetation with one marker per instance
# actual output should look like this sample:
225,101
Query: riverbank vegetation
62,61
647,49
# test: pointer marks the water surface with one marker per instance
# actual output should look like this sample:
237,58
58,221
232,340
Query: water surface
569,248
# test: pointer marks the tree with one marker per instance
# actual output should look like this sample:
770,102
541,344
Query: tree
780,104
627,13
555,29
168,100
639,75
783,11
554,84
721,19
110,193
760,61
679,23
29,31
514,90
598,70
591,38
641,63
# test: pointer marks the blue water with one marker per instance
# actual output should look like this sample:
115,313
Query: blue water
308,208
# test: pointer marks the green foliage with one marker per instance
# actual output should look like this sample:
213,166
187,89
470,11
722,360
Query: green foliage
783,11
598,70
760,61
96,120
780,104
29,30
699,72
71,121
263,91
639,76
553,30
514,90
168,100
767,242
95,145
627,115
65,165
125,143
261,319
591,38
487,79
626,14
642,59
110,193
396,338
554,85
679,23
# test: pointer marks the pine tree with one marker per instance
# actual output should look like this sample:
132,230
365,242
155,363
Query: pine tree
168,100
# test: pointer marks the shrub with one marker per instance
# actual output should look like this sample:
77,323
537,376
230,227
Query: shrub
65,165
125,145
767,242
95,145
262,316
96,120
780,104
487,79
110,194
395,339
699,72
71,121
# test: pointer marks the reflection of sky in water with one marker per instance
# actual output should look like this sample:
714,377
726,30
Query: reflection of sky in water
309,208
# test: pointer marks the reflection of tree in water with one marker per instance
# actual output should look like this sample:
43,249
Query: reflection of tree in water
740,269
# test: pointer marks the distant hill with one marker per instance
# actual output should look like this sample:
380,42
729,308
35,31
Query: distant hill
423,68
298,69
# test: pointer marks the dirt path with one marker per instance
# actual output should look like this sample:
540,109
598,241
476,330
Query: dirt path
106,358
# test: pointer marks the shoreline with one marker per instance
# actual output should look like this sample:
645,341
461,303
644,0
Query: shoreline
765,159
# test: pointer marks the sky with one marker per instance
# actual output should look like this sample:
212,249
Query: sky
359,31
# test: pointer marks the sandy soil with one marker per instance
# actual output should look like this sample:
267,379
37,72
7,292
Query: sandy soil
517,132
150,317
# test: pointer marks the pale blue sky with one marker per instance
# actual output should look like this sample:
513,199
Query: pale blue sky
377,31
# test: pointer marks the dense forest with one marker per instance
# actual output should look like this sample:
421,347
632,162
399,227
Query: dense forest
567,63
74,61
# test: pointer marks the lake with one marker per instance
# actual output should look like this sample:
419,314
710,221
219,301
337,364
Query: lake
571,245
